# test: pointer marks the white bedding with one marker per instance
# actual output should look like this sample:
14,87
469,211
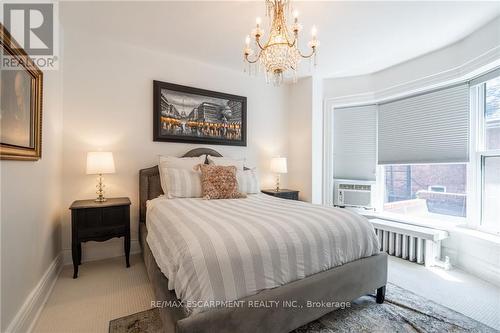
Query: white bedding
223,250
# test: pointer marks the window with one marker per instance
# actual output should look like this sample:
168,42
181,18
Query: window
492,115
429,191
423,151
488,153
491,193
439,190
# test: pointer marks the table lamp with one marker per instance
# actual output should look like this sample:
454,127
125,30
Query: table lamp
99,163
278,165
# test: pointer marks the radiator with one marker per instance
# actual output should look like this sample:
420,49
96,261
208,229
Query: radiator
416,244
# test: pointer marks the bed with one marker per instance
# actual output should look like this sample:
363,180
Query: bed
281,301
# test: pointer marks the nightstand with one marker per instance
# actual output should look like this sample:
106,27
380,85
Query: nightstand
283,193
99,221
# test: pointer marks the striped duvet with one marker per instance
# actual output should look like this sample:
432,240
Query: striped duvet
223,250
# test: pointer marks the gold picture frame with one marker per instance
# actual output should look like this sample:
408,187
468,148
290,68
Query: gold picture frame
20,127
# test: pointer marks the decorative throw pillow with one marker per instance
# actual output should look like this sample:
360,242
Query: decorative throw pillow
170,162
224,161
248,181
183,183
219,182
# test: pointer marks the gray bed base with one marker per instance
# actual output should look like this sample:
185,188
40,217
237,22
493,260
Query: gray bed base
340,284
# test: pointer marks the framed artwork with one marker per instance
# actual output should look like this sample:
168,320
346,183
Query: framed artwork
20,102
192,115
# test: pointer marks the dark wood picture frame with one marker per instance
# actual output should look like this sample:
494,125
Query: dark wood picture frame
9,46
158,136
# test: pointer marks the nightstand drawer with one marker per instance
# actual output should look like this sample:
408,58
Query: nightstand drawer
283,194
88,218
290,195
102,232
101,217
114,215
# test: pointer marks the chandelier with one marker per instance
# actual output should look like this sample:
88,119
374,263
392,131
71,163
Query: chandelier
280,53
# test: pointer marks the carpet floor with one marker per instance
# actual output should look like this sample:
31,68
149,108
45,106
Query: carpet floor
402,311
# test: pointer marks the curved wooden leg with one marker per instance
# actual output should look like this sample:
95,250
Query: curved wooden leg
381,295
127,249
74,254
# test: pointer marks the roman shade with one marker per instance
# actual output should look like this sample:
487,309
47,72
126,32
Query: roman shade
431,127
355,142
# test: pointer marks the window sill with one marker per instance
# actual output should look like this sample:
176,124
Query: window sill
460,228
422,222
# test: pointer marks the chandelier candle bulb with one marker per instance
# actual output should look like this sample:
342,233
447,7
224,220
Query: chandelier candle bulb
297,27
258,20
314,32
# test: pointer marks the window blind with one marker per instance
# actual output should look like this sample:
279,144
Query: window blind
431,127
355,142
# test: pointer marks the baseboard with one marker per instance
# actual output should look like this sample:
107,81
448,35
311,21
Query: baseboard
26,317
93,251
484,270
29,312
466,255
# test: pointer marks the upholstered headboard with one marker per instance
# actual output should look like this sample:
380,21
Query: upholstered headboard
149,180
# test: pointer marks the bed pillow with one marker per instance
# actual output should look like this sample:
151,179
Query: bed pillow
183,183
223,161
219,182
170,162
248,181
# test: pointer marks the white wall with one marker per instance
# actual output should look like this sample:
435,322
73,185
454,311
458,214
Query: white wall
30,211
300,139
317,138
305,138
108,104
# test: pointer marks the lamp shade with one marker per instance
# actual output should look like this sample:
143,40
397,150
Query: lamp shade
278,165
100,162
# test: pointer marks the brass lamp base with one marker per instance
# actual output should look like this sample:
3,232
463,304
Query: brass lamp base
100,190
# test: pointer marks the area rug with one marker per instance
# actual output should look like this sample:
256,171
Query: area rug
402,311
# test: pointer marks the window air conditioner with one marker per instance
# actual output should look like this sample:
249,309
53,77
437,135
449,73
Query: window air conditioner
354,193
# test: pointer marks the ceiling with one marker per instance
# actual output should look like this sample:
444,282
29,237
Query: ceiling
356,37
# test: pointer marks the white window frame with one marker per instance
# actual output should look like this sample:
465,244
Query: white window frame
474,178
479,152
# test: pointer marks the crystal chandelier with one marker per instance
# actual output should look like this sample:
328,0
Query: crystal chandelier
280,53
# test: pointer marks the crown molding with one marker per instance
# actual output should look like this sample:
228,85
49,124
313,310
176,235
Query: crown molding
463,73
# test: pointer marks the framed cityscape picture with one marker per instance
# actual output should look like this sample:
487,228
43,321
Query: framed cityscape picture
20,102
192,115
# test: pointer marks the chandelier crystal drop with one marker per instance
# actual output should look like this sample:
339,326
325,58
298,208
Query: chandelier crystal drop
280,54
